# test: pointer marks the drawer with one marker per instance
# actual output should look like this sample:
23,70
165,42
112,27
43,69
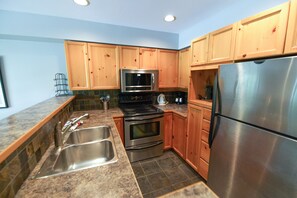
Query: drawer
203,169
206,114
204,151
206,125
204,136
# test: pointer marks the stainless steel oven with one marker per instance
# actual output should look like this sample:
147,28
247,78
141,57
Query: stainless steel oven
144,136
139,80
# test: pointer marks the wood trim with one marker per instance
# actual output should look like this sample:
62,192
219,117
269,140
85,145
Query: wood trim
11,148
201,103
205,67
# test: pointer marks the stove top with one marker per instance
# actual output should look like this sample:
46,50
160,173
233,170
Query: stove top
139,109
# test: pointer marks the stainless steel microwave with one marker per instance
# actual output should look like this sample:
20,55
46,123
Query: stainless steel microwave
139,80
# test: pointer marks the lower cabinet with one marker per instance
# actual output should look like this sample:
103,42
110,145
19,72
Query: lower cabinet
193,137
119,122
179,131
198,151
167,131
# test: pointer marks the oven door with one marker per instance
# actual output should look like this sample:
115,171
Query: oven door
143,129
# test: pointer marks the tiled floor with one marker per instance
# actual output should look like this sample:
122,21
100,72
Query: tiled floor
160,175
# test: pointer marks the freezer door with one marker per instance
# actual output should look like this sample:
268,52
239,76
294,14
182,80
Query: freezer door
249,162
263,93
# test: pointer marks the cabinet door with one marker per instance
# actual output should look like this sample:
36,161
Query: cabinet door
167,130
148,58
77,65
104,66
199,49
262,34
184,68
119,122
179,134
291,39
221,44
129,57
168,61
193,137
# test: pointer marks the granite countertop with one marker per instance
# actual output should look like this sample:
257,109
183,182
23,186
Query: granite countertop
178,109
17,128
112,180
197,190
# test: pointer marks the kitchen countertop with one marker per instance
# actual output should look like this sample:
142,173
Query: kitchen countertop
19,127
198,190
112,180
175,108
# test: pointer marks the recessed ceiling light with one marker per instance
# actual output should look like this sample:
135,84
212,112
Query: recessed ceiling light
169,18
82,2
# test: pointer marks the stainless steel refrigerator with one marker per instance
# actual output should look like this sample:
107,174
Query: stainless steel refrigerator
253,135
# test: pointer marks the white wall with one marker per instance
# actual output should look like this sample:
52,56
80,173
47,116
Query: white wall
28,68
234,13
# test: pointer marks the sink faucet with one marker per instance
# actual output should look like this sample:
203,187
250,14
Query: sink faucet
60,132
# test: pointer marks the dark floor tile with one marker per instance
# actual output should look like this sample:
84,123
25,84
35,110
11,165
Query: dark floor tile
7,193
182,184
197,179
166,163
4,178
144,185
159,180
176,175
137,169
188,170
14,167
162,191
150,167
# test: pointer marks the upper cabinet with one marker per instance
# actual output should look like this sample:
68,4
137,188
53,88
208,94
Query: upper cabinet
129,57
103,66
77,65
148,58
263,34
199,49
92,66
184,68
167,63
291,39
221,44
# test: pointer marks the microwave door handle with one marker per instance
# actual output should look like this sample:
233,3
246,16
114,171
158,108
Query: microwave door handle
153,80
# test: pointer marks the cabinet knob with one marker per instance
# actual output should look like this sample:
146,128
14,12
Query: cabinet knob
244,55
135,59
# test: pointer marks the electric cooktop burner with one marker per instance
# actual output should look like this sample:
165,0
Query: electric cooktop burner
136,110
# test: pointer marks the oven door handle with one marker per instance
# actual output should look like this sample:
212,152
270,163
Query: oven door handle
145,147
149,118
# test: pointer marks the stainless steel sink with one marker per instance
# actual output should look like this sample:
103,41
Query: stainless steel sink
92,134
87,148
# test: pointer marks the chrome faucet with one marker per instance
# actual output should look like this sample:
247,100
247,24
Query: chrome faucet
60,132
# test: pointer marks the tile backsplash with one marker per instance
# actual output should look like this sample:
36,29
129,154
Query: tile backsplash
90,100
17,167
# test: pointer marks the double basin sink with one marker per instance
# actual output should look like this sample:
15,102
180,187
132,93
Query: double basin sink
84,148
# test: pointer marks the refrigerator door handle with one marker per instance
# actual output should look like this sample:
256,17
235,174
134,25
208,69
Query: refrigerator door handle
214,111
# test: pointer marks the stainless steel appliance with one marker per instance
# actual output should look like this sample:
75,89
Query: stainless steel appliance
253,135
139,80
143,126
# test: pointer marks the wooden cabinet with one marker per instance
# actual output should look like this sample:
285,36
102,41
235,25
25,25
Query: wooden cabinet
221,44
199,49
167,130
179,130
129,57
119,122
193,137
148,58
167,63
184,68
263,34
103,66
291,39
77,65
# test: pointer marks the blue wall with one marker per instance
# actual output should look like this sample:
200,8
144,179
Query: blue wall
28,68
234,13
48,27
